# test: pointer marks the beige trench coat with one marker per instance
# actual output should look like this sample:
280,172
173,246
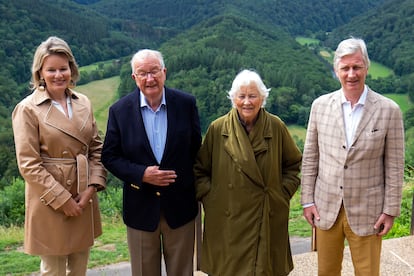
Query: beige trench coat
58,157
245,184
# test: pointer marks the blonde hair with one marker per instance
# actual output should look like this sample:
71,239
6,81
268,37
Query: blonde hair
52,46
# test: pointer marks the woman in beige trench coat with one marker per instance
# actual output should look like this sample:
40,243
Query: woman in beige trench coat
58,153
246,173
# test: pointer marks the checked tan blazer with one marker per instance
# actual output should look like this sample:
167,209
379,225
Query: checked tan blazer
367,177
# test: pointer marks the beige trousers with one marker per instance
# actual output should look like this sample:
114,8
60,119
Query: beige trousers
74,264
365,251
176,245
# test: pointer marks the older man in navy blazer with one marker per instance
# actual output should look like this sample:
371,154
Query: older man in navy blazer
352,167
152,138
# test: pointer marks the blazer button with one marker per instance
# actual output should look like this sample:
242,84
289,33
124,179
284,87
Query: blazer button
346,167
158,193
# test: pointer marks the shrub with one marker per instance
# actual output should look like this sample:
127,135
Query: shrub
110,202
12,204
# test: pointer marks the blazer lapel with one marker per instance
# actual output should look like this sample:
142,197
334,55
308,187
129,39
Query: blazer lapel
336,105
172,121
369,108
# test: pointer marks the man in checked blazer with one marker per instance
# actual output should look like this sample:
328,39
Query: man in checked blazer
352,167
152,139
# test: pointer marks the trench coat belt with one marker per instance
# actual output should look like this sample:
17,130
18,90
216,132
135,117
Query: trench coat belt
82,168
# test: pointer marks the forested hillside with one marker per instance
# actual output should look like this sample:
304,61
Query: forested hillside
205,44
389,33
295,16
205,59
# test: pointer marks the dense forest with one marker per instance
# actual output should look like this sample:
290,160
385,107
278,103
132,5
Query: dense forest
205,44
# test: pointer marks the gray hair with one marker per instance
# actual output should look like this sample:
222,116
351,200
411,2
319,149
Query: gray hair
143,53
246,77
348,47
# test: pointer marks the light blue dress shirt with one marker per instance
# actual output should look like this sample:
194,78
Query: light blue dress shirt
155,123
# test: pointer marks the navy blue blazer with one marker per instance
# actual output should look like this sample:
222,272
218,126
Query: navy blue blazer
127,153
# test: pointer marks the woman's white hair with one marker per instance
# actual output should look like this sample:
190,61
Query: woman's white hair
246,77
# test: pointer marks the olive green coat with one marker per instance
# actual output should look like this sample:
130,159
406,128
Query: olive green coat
58,158
245,183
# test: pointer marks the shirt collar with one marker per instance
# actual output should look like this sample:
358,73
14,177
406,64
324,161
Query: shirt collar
42,96
67,100
361,100
144,102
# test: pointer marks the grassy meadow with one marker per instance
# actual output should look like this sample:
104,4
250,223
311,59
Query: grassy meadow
307,41
402,100
377,70
102,94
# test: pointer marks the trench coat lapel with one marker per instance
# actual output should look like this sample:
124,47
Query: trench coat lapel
72,127
239,147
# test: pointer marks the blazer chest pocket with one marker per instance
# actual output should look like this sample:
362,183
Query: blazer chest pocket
372,140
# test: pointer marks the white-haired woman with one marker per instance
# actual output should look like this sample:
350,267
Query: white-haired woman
246,173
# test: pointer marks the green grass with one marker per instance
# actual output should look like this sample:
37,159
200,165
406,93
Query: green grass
102,94
110,247
95,66
307,40
12,259
401,99
298,226
377,70
298,131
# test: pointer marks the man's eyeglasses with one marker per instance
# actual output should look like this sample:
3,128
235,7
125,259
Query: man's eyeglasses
143,74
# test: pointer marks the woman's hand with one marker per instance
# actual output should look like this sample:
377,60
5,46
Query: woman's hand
84,198
71,208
